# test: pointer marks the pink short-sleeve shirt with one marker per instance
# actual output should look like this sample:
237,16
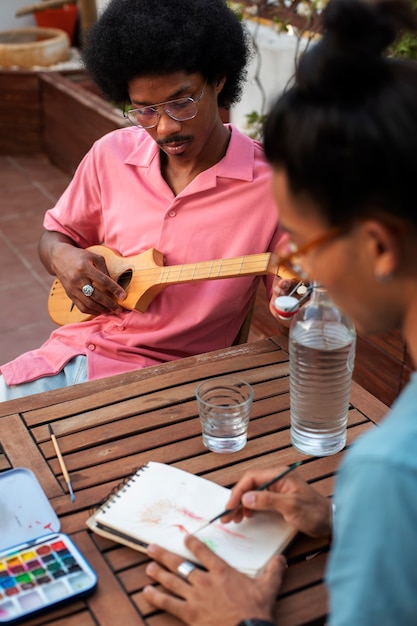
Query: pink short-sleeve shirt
119,199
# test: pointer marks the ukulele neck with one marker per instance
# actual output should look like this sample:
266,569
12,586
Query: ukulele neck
252,265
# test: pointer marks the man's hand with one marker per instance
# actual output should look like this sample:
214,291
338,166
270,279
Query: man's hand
76,267
298,503
220,595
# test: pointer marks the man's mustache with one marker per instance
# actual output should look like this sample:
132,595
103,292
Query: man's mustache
174,139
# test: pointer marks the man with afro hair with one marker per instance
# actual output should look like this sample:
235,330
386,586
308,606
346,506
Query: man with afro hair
178,180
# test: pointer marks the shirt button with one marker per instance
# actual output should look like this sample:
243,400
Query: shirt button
91,346
172,213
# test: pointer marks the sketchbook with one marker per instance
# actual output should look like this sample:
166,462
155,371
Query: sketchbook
161,504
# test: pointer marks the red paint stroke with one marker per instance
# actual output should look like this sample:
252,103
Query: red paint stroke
181,528
219,526
192,515
227,530
49,526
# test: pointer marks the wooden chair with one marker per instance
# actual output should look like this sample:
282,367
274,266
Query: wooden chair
242,336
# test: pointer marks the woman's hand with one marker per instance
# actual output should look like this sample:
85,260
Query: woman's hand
298,503
220,595
281,287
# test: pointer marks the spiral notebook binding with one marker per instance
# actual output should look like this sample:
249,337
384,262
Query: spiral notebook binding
119,489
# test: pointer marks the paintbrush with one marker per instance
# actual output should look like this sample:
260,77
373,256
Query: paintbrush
289,469
61,463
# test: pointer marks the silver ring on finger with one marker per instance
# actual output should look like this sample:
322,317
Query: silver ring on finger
88,290
184,569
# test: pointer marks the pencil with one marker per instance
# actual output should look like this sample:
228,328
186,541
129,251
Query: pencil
61,463
289,469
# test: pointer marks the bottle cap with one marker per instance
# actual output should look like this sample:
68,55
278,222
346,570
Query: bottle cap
286,306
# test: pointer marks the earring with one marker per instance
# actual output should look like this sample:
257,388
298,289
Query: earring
383,277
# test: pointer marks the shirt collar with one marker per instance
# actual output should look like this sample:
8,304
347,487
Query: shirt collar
237,163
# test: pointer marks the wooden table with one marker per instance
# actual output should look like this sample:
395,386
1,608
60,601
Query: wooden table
108,428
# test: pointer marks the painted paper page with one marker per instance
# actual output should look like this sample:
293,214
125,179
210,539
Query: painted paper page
161,503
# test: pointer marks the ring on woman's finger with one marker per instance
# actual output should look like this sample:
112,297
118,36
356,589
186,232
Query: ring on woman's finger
184,569
88,290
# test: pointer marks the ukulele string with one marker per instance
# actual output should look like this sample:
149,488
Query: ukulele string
215,269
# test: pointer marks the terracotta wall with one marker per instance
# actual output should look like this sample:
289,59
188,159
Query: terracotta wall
52,113
73,118
20,113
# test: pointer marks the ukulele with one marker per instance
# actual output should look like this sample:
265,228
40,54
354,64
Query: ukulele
144,276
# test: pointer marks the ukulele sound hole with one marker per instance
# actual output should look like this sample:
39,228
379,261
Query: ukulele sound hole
125,279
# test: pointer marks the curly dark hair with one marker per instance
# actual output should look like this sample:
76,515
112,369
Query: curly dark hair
134,38
346,131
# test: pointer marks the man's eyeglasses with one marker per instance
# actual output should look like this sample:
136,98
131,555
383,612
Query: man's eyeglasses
292,258
180,110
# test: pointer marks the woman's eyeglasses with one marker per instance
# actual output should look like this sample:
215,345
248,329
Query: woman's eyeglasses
293,258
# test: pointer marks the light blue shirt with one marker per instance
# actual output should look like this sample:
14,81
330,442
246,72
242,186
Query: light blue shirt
372,571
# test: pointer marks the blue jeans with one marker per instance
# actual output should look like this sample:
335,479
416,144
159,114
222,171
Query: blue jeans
73,373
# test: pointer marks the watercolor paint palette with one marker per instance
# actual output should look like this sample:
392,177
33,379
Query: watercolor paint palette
40,567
